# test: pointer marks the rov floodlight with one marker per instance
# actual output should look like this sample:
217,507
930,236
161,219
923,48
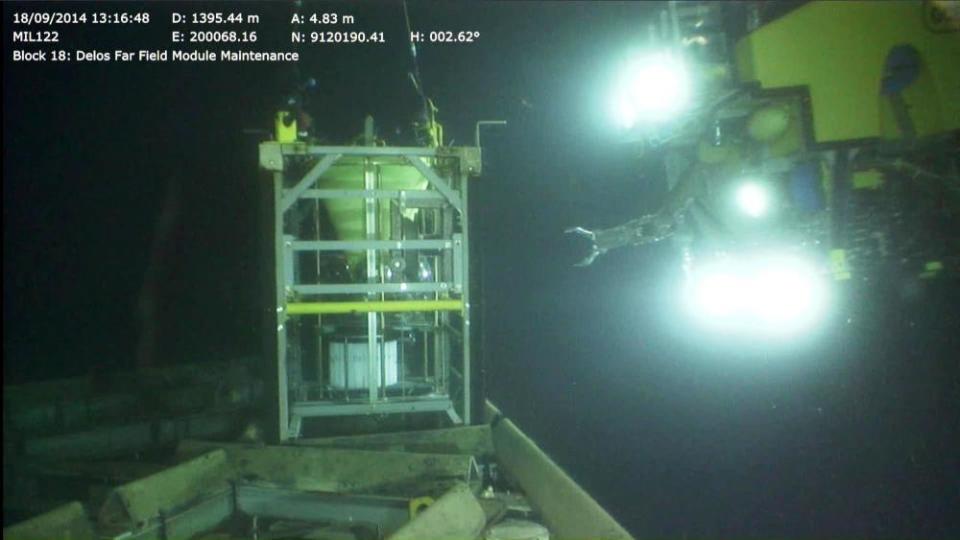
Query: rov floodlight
771,295
788,294
652,89
715,291
753,199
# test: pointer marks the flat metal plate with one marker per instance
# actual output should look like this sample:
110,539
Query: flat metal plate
467,440
141,500
67,522
338,470
385,512
332,408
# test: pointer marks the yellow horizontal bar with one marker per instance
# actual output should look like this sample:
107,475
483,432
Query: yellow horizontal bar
388,306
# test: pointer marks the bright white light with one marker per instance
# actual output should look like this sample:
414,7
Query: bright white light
766,295
653,88
753,199
716,293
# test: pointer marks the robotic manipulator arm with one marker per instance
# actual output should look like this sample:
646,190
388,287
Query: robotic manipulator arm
648,228
643,230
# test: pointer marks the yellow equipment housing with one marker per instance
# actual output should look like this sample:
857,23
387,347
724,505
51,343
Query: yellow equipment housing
285,127
841,63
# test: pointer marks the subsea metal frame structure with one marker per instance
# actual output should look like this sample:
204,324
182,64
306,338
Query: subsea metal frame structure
447,189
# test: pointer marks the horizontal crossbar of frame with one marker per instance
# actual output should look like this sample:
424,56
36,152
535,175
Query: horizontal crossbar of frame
290,196
406,194
311,409
297,149
388,306
372,288
363,245
439,184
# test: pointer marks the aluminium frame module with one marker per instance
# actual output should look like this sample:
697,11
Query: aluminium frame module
447,190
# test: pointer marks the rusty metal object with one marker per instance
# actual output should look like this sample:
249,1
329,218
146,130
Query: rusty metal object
341,470
137,502
68,522
468,440
455,516
567,510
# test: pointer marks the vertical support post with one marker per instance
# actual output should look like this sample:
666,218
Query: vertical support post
370,213
320,344
320,353
476,308
426,356
292,329
445,348
279,304
465,250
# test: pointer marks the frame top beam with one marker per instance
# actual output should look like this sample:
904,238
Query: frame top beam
272,153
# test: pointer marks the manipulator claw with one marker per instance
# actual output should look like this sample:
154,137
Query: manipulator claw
647,229
595,250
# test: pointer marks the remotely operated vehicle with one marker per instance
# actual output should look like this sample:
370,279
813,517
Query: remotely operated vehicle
372,422
819,150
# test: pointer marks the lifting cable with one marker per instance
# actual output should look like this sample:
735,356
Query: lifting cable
415,74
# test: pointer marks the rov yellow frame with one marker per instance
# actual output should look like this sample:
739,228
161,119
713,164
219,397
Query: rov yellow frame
837,51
